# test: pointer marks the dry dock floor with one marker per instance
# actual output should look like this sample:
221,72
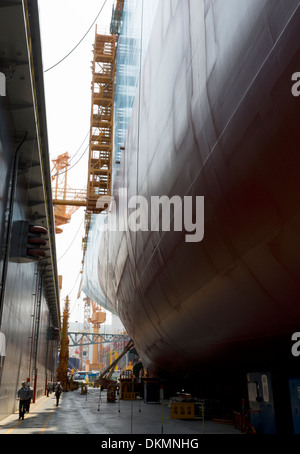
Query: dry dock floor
89,414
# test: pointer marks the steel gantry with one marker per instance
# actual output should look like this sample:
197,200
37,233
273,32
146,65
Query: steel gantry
87,338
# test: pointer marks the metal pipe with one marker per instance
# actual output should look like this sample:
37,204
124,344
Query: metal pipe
36,333
6,248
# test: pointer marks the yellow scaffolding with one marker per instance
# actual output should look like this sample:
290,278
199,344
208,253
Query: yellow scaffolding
100,164
102,115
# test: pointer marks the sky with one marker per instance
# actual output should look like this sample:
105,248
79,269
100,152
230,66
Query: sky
63,24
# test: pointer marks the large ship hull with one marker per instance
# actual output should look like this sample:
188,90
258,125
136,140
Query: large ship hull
214,116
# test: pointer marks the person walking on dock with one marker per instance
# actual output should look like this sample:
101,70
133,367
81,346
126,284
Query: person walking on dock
58,391
30,396
23,395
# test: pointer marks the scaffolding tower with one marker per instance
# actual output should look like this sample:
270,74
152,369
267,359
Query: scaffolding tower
102,116
100,165
116,18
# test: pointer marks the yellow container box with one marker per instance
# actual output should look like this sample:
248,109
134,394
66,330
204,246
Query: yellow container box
182,410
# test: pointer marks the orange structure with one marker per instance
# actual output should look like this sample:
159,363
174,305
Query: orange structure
65,200
100,164
102,115
98,317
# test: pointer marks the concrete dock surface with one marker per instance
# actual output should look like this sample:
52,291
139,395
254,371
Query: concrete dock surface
91,414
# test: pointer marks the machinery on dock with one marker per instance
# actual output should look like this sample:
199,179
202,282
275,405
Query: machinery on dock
105,379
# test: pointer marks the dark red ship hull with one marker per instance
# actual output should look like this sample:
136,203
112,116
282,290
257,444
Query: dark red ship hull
214,116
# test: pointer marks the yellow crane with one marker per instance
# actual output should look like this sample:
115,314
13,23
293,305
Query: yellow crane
98,317
66,201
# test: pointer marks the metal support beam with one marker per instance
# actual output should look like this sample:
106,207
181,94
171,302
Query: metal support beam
74,203
37,331
87,338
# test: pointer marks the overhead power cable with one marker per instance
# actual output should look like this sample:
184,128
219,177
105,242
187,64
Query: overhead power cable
66,56
90,141
72,241
78,275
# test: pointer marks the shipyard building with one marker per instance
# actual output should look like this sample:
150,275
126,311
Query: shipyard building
29,306
192,203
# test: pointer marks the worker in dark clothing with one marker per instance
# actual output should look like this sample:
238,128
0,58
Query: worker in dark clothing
23,396
48,389
30,396
58,391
